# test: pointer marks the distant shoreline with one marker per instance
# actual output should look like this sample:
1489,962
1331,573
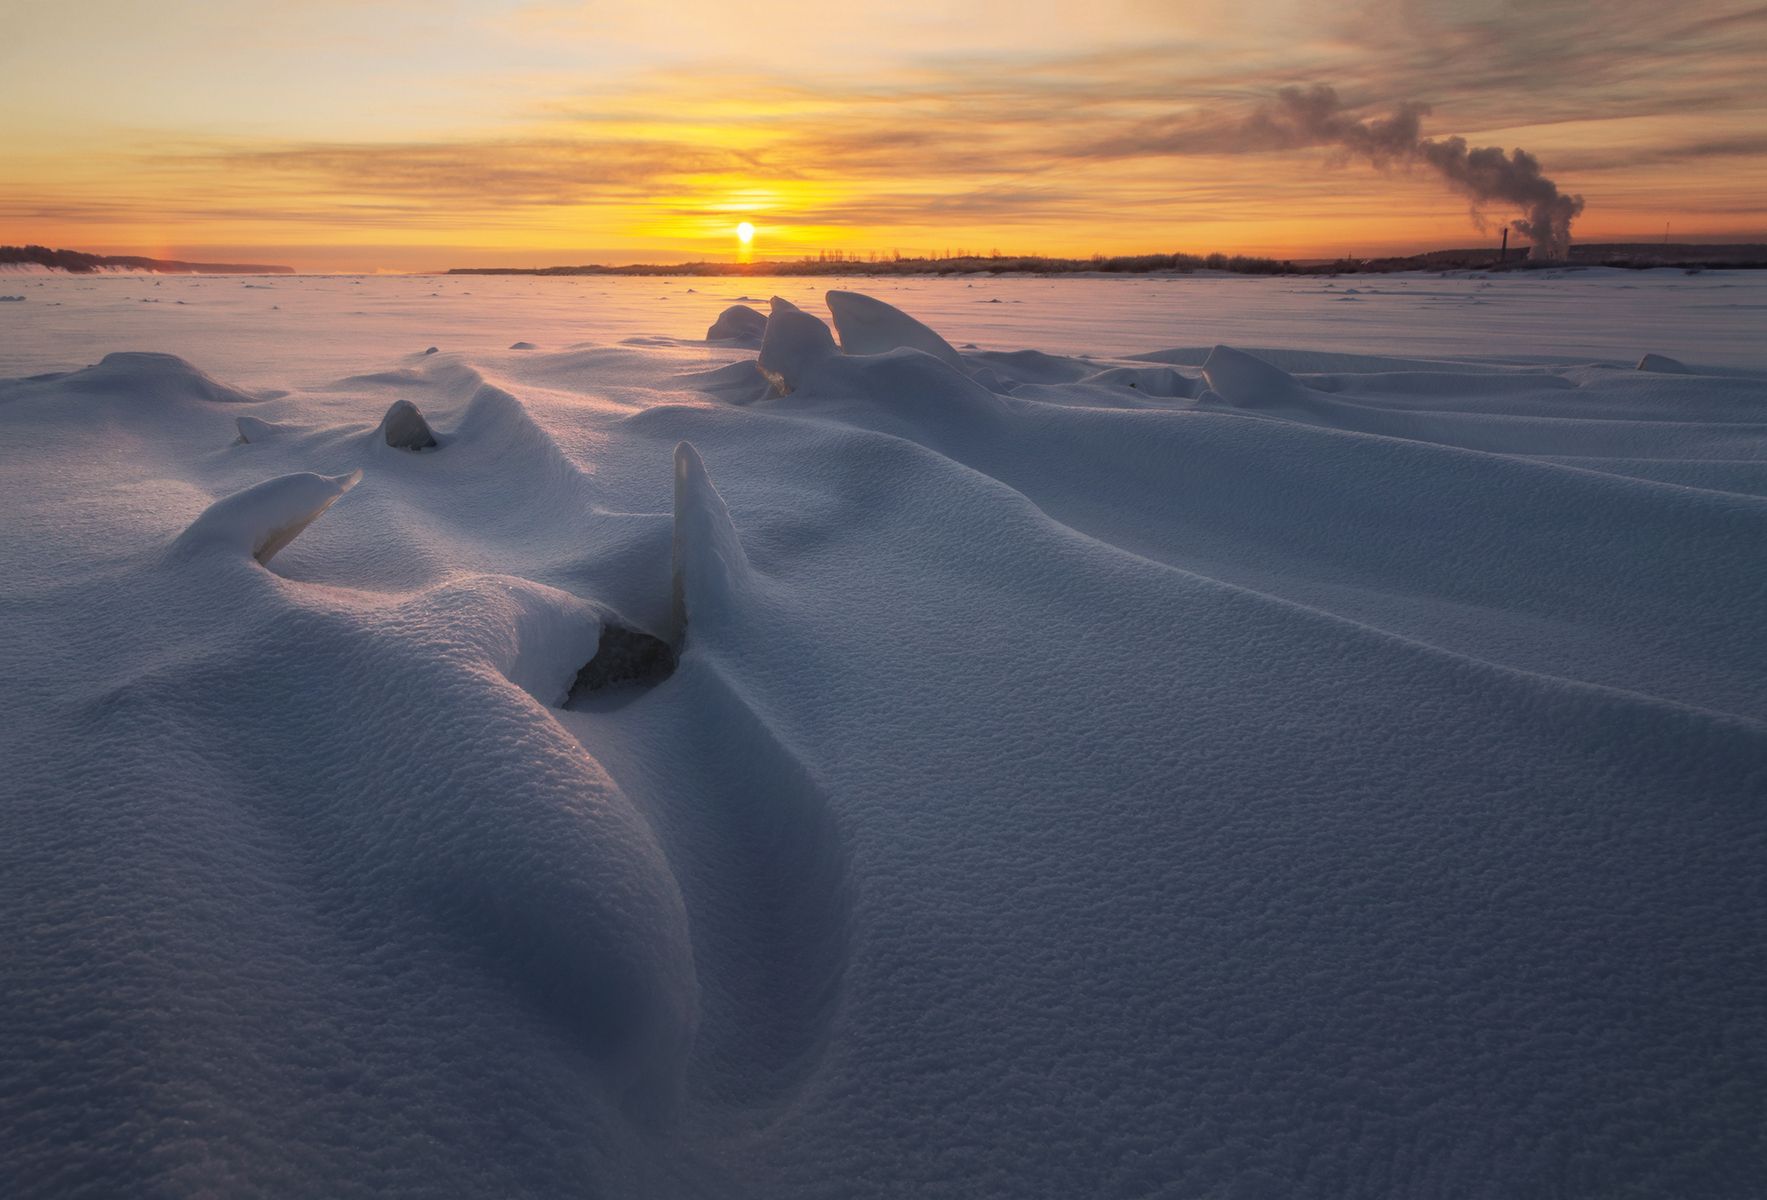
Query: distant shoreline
33,259
1625,255
1140,264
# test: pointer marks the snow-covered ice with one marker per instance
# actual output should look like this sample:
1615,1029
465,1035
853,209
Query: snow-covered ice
1196,740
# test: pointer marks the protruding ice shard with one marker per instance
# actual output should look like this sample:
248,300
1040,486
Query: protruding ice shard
794,343
265,517
1248,382
867,325
252,430
709,566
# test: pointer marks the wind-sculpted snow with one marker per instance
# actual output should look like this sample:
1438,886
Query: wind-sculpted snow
147,378
1232,771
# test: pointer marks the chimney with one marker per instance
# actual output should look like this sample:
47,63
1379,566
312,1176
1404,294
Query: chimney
1503,251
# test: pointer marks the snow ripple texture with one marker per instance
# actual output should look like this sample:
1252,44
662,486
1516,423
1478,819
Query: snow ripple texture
1218,773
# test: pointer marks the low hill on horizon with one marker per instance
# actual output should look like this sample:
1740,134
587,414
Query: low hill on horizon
78,262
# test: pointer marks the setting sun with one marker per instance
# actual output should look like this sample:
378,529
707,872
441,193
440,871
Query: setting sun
745,233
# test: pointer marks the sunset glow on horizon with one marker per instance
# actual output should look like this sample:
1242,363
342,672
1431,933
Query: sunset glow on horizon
405,136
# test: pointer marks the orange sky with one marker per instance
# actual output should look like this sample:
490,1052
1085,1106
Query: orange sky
406,135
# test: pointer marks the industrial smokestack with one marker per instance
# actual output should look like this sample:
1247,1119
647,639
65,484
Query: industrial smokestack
1485,174
1503,250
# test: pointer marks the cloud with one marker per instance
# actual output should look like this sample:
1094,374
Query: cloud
542,171
1679,153
1035,129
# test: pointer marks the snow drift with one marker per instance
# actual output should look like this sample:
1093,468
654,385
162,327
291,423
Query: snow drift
1229,771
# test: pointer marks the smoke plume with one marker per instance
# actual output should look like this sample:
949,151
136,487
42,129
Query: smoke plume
1484,174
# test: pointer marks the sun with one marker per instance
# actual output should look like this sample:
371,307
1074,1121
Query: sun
745,233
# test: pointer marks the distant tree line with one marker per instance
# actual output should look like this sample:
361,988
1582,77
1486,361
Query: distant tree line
838,262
